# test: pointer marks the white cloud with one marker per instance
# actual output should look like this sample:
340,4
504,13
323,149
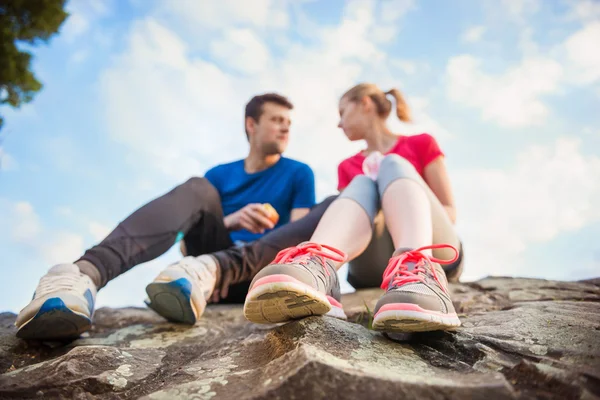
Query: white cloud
393,10
351,38
550,190
83,14
26,229
242,50
591,132
512,17
79,56
75,26
582,52
64,211
519,10
409,67
167,106
7,162
98,231
390,12
511,99
474,34
63,150
62,247
585,10
225,14
25,223
421,120
527,44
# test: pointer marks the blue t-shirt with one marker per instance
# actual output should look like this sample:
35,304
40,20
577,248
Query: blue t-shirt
286,185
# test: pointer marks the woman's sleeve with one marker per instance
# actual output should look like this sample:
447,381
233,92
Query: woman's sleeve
429,149
343,176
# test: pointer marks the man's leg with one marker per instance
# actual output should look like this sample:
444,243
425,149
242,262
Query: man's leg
63,303
181,291
238,265
155,227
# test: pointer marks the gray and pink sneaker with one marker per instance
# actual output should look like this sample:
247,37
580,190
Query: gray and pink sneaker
300,282
417,297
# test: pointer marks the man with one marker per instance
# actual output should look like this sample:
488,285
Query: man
210,214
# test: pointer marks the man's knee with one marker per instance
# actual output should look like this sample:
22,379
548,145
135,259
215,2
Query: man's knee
203,190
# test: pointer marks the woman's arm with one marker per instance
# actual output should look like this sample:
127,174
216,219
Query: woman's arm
436,176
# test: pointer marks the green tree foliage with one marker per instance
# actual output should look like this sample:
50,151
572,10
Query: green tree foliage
29,22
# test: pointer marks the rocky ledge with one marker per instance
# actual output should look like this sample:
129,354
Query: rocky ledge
521,338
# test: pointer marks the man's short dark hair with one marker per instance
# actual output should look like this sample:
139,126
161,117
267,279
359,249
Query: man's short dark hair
254,108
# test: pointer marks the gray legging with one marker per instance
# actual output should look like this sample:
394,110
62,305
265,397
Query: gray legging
366,270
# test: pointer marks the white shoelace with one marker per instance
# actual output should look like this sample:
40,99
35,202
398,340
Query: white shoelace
200,271
55,282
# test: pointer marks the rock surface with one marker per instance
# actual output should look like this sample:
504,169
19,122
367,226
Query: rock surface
521,338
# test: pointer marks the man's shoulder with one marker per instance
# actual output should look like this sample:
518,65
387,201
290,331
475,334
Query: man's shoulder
226,167
294,165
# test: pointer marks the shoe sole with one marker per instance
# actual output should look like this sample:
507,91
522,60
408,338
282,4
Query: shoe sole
406,318
55,321
172,300
283,300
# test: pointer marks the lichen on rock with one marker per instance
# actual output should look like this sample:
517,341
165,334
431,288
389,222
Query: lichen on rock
520,338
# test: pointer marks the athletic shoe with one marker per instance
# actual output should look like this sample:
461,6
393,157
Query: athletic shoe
180,292
62,306
300,282
417,298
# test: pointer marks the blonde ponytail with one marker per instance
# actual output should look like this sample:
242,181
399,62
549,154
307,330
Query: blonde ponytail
383,104
402,109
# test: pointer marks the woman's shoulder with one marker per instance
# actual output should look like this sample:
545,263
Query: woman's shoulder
350,162
420,138
421,142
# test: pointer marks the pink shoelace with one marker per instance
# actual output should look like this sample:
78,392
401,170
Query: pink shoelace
306,250
397,271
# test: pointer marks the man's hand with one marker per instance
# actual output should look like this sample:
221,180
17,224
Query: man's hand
253,218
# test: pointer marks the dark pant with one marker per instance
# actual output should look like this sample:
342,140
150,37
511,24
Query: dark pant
193,209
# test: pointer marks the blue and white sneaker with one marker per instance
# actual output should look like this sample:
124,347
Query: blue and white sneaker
180,292
62,306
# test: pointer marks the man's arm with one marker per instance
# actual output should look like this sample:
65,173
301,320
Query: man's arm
304,193
253,217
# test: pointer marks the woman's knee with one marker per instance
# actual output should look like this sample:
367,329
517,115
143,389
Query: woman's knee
394,167
363,190
360,184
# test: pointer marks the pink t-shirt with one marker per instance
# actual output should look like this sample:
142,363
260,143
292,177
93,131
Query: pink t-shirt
420,150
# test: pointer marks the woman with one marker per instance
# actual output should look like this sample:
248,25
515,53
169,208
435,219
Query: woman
397,225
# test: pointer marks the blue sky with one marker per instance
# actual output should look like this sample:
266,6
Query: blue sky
139,95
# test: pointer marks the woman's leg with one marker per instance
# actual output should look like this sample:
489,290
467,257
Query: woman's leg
366,270
348,223
417,297
414,215
414,218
